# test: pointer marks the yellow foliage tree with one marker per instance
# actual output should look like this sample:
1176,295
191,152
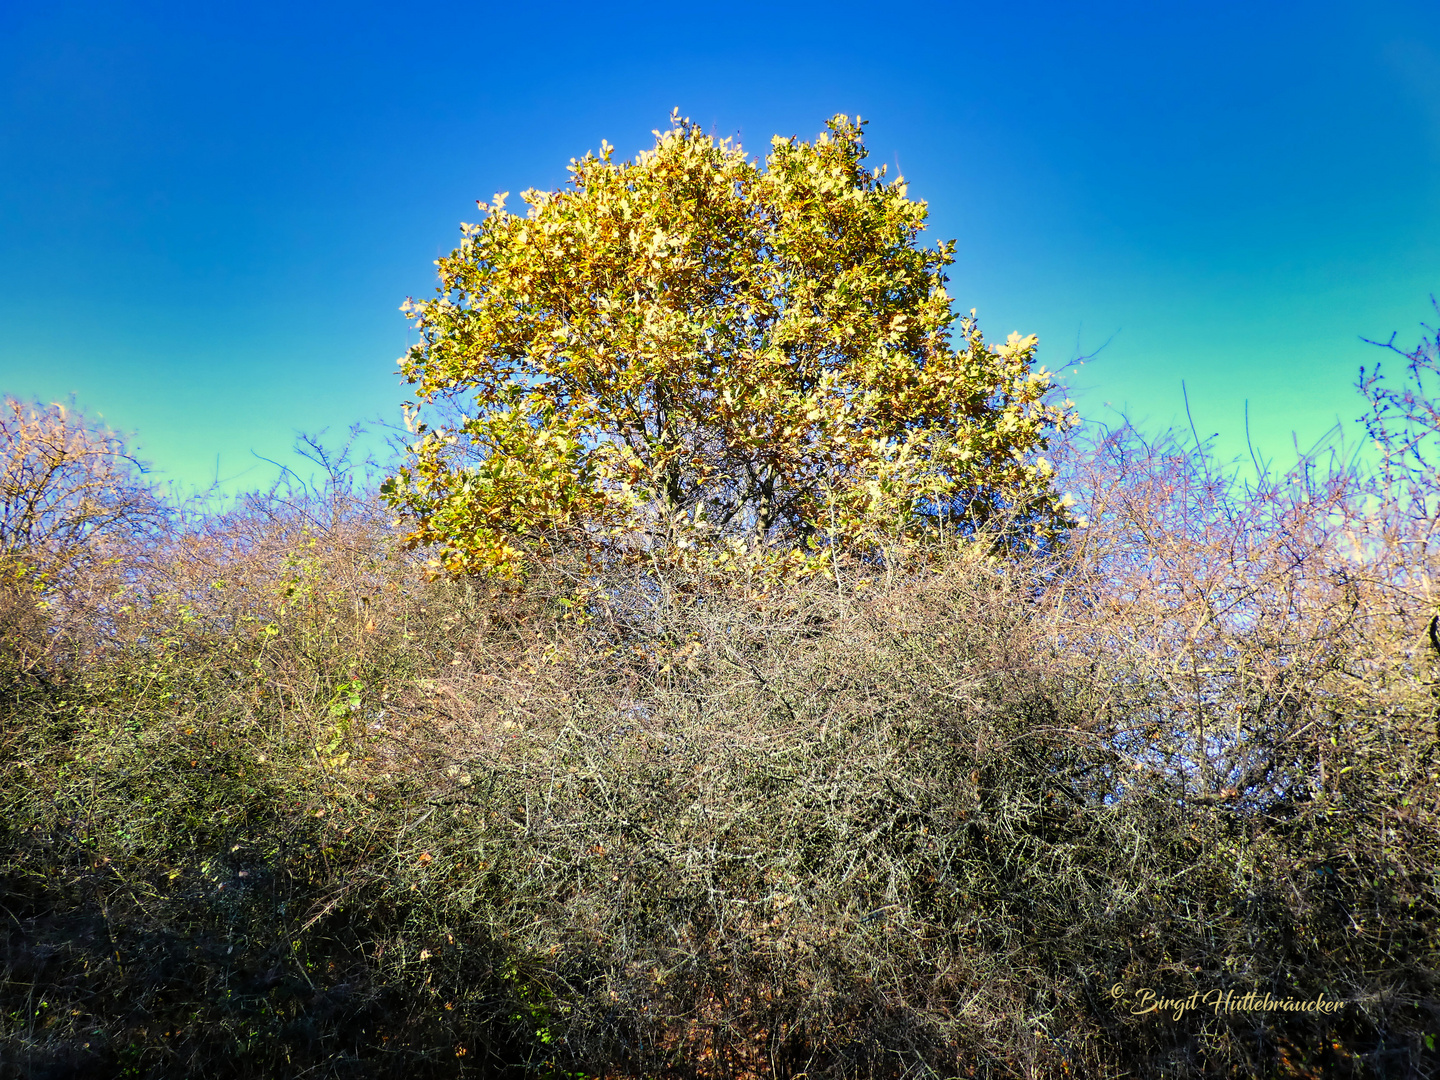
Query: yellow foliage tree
699,357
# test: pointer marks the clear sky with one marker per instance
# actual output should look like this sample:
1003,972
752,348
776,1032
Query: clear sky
211,213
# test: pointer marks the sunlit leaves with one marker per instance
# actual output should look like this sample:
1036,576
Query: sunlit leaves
702,357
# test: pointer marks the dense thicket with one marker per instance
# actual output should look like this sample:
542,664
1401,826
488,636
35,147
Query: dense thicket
276,805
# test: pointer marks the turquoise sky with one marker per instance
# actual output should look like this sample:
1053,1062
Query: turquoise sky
210,214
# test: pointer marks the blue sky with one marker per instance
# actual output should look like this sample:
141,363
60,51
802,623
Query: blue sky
210,214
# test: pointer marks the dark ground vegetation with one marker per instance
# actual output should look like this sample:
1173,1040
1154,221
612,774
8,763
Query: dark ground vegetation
276,805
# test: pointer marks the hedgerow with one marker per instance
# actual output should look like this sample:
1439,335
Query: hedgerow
278,804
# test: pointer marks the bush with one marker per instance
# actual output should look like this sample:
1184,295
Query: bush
279,805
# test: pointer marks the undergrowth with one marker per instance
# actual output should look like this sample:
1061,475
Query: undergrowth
278,805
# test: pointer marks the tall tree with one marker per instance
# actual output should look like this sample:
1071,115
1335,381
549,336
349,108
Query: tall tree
699,356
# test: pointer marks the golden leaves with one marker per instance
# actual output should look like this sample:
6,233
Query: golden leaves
701,351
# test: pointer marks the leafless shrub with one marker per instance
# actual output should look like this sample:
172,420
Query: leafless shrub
65,482
70,494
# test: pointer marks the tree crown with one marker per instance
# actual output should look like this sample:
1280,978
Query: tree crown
697,355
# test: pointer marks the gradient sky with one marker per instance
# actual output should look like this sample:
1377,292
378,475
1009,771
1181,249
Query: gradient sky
210,214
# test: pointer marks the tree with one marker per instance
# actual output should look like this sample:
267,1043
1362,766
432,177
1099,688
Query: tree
70,491
66,483
696,357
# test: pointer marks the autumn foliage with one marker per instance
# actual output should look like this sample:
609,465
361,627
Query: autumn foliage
716,362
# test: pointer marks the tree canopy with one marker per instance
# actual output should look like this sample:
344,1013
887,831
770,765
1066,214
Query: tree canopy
698,356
